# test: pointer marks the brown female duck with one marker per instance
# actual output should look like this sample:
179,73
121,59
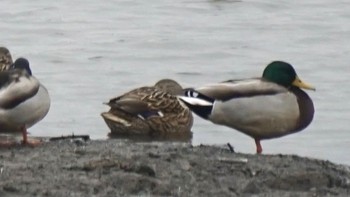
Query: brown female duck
153,112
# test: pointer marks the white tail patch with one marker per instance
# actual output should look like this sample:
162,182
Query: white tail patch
192,94
195,101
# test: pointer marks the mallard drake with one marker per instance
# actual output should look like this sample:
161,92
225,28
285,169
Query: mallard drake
5,59
23,99
263,108
150,113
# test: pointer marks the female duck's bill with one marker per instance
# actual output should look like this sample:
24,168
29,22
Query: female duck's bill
24,101
5,59
263,108
150,113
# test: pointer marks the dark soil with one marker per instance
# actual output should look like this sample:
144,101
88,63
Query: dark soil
124,168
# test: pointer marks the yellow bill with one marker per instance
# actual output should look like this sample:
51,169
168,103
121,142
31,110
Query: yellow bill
297,82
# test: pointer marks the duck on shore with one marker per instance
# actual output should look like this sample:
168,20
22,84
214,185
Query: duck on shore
267,107
154,112
24,101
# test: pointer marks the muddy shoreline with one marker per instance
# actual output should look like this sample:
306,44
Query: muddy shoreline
125,168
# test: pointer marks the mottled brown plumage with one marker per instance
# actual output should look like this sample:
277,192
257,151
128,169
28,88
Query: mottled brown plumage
150,112
5,59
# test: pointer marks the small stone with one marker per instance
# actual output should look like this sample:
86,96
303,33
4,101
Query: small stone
185,165
10,188
145,170
153,155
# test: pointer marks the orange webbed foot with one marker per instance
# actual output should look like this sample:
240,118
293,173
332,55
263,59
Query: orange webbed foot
32,142
29,142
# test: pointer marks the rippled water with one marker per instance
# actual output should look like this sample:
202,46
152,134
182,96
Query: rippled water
88,51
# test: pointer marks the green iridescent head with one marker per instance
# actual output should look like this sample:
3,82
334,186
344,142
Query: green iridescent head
284,74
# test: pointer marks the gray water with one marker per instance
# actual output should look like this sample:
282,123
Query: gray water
86,52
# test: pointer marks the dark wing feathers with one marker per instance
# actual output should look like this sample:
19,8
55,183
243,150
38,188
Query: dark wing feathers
144,101
16,86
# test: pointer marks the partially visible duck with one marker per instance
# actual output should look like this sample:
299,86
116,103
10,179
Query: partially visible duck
151,112
263,108
24,101
5,59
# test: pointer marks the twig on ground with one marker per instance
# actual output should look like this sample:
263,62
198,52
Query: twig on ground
83,137
231,148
